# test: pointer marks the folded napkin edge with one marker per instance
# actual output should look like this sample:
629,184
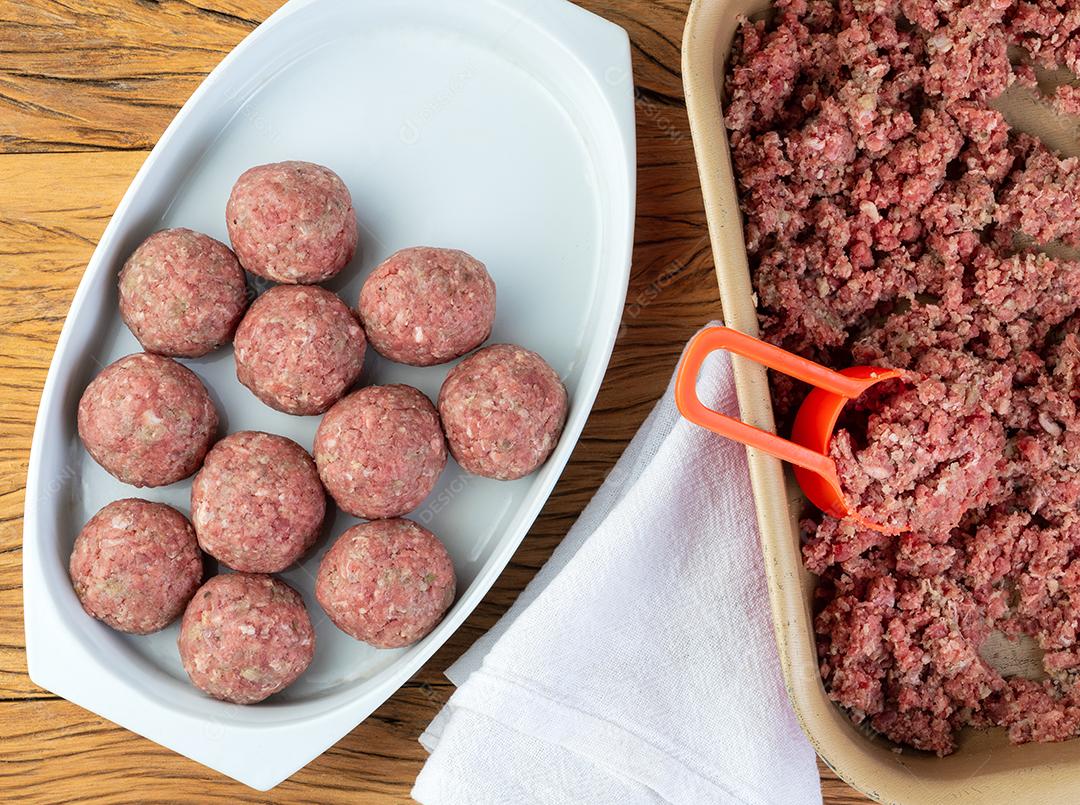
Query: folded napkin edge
528,708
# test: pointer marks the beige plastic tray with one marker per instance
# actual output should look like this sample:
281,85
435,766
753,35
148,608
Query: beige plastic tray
986,768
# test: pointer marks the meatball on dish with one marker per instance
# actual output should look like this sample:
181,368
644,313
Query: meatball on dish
425,306
292,222
245,637
503,409
387,583
135,565
380,451
257,503
182,293
299,349
147,420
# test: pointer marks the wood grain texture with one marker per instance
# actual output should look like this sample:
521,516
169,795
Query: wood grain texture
86,87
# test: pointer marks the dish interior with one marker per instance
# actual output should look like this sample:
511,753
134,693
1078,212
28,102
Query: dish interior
444,138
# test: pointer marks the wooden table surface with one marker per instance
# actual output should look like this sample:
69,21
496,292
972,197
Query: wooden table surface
86,88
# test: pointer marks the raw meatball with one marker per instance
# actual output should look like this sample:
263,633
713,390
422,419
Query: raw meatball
257,503
147,420
380,451
292,222
182,293
245,637
136,565
503,409
425,306
299,349
387,583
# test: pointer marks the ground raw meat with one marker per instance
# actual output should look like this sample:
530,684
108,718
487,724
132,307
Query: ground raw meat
182,293
135,565
380,451
299,349
387,583
1067,99
245,637
425,306
292,222
147,420
257,503
1042,201
923,458
503,409
894,218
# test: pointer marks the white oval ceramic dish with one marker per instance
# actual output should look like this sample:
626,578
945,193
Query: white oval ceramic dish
501,127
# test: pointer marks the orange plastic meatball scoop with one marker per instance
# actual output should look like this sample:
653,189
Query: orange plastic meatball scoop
811,435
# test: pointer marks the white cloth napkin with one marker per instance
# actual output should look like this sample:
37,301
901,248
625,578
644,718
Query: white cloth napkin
639,665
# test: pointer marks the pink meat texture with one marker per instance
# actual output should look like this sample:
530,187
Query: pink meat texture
182,293
147,420
425,306
135,565
257,503
927,457
299,349
503,409
292,222
380,451
387,582
245,637
894,218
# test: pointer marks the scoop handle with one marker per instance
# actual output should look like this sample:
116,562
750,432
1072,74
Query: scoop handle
691,407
